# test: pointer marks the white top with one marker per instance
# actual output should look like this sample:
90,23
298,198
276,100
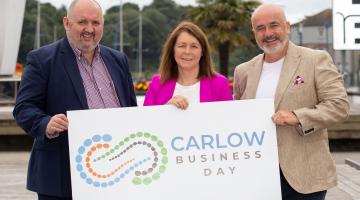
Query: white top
191,92
269,79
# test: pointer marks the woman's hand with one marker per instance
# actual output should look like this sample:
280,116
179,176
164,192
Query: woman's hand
179,102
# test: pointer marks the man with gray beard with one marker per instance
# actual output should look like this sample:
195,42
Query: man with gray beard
309,96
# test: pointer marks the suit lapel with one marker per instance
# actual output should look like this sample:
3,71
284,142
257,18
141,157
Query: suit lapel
116,74
72,70
288,70
254,77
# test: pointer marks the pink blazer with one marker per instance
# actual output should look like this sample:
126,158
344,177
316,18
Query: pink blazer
211,89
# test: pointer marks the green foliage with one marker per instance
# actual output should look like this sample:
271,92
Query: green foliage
227,25
159,18
50,23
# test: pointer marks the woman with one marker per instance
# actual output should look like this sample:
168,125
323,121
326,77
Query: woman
186,71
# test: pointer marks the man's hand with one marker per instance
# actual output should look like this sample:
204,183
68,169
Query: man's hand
179,102
285,118
57,124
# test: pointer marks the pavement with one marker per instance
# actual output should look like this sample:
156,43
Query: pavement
13,169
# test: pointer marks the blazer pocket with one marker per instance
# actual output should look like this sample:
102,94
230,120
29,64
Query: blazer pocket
301,95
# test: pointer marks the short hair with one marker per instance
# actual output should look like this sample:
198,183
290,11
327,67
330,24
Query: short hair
74,2
269,6
168,67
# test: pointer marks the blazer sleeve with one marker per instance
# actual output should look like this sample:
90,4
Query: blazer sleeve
29,110
150,96
333,106
224,92
239,83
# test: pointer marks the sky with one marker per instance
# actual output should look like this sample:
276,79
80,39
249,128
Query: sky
295,10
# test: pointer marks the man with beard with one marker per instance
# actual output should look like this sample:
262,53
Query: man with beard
309,96
73,73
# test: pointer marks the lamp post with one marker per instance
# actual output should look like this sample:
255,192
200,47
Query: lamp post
300,32
121,32
55,33
37,33
327,25
140,44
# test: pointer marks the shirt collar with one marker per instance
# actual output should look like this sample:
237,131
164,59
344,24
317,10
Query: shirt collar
79,54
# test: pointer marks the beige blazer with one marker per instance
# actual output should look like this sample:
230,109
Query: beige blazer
312,88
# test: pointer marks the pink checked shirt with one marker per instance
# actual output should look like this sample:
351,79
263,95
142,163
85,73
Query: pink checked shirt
99,87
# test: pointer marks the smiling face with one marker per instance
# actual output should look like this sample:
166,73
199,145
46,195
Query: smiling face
271,31
187,52
84,25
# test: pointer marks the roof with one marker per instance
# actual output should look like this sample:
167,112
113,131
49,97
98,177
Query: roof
318,19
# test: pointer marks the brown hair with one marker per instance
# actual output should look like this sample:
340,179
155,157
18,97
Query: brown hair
168,67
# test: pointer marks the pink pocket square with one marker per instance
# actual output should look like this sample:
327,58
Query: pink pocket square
298,80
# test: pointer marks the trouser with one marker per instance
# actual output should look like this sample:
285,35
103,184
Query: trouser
288,193
47,197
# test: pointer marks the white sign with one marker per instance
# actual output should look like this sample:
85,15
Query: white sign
212,151
346,21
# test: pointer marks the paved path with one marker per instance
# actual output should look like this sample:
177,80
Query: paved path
13,166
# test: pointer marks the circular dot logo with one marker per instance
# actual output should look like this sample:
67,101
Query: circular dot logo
139,157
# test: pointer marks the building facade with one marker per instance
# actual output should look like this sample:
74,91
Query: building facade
317,32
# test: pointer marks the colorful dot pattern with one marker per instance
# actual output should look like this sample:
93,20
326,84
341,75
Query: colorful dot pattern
130,167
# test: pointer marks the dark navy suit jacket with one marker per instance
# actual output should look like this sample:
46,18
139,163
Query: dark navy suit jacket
51,84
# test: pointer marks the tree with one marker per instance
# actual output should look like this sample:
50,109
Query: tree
227,24
158,19
154,24
51,27
112,30
173,12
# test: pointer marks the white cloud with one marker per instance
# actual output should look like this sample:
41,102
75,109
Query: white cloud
297,9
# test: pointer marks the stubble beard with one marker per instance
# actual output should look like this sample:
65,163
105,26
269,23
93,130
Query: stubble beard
276,49
82,47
